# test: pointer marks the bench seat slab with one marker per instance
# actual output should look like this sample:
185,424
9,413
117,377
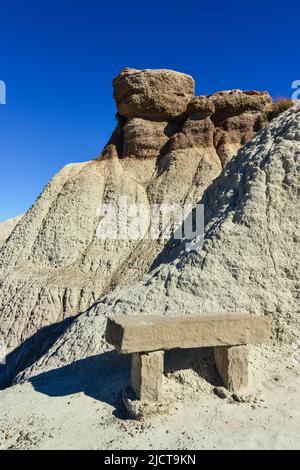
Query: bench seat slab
147,333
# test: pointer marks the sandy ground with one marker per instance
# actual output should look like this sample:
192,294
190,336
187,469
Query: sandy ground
270,419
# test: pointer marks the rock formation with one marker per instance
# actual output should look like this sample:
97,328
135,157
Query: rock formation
158,95
249,263
168,146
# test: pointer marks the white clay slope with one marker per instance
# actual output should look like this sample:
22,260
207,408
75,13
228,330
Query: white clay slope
7,227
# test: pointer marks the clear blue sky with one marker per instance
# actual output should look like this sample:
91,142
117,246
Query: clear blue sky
58,58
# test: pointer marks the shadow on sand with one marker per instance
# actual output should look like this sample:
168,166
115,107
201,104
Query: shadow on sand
105,376
31,350
102,377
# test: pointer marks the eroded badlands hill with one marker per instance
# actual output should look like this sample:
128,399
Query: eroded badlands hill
249,264
168,146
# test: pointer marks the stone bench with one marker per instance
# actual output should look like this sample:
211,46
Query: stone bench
147,337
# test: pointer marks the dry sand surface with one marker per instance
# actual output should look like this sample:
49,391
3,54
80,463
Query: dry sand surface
63,413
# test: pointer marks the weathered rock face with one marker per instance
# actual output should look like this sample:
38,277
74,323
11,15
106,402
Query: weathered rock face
153,94
235,132
166,148
200,107
249,264
7,227
234,102
155,105
238,116
145,139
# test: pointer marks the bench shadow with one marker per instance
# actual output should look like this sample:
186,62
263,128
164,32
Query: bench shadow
105,376
31,350
102,377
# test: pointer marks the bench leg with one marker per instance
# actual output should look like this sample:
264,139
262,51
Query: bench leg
232,365
147,374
